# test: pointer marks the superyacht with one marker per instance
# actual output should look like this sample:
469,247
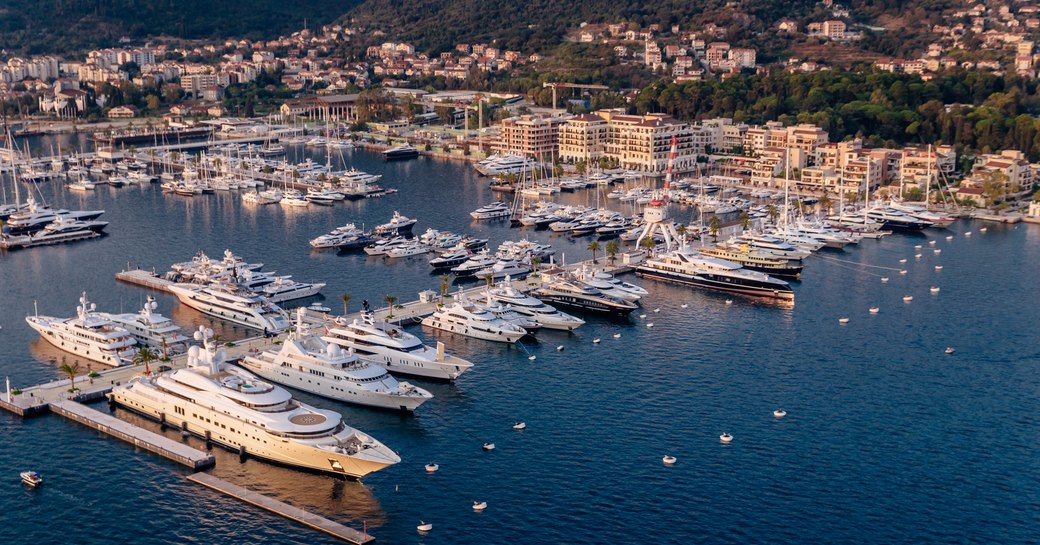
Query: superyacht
152,329
89,335
313,365
467,319
388,345
689,267
234,304
232,407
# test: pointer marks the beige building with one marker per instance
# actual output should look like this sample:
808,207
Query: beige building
636,142
530,136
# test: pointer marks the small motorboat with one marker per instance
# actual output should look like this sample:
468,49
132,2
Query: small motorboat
937,251
595,341
489,446
843,320
884,279
931,243
917,256
934,289
917,246
938,267
32,478
908,298
725,437
642,316
424,526
950,350
651,324
617,335
902,261
657,310
902,271
479,505
318,307
432,467
779,413
668,460
874,310
559,348
532,357
520,426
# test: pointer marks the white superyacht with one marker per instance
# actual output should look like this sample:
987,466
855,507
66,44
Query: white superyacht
152,329
232,407
233,304
311,364
467,319
395,349
534,309
88,334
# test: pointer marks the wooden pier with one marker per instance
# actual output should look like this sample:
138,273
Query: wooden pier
306,518
139,437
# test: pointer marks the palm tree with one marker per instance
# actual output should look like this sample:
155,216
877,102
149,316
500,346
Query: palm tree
612,251
681,231
647,243
714,223
71,369
772,212
444,286
594,247
535,263
825,204
390,300
489,280
745,221
145,355
346,299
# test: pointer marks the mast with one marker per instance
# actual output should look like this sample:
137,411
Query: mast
928,180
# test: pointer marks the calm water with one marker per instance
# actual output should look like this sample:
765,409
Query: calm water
887,439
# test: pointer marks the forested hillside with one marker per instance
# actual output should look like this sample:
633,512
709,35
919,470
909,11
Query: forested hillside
58,26
534,25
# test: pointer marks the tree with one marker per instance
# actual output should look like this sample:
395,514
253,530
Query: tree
390,300
647,243
772,212
153,102
594,247
745,221
489,280
346,300
444,286
714,223
145,355
612,251
994,185
70,369
825,203
681,230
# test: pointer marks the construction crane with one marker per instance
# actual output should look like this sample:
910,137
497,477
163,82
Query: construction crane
554,85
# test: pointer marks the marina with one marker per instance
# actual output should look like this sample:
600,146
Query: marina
868,373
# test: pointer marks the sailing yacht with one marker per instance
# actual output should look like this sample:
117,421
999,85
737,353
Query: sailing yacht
311,364
89,334
388,345
233,408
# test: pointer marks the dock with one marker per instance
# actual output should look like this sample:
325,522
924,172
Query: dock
145,279
139,437
306,518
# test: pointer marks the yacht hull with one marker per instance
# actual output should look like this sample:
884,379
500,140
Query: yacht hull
717,283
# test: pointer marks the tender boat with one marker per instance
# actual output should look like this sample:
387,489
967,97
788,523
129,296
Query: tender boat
32,478
402,151
496,209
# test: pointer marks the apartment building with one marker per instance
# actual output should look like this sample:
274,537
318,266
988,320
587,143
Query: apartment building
636,142
530,136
